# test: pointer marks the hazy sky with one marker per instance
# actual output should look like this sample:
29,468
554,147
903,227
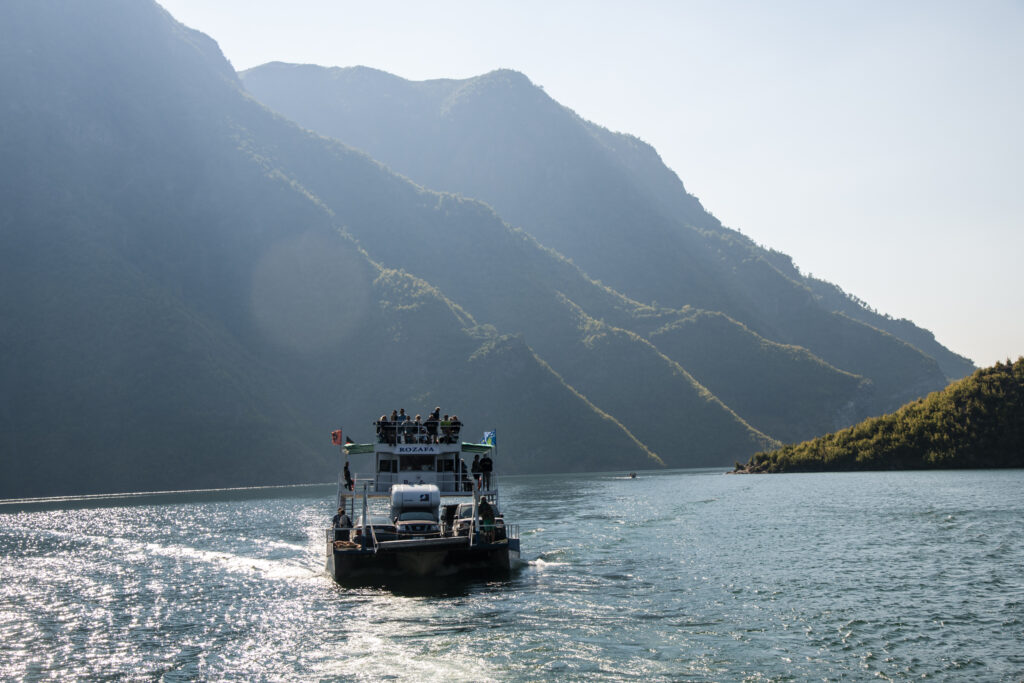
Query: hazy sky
880,143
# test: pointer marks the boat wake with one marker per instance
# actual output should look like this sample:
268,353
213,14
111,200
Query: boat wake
542,564
267,568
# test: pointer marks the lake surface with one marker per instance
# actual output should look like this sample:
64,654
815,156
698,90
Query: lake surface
685,575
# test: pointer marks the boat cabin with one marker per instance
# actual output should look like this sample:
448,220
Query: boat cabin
445,465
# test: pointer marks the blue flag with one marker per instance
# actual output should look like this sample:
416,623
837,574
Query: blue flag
490,438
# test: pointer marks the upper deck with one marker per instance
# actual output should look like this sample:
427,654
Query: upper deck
442,464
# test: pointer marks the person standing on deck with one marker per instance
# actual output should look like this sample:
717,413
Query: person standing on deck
475,469
400,425
412,430
342,525
486,513
486,467
393,428
433,420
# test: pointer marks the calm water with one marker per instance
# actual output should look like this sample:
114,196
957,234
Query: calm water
687,575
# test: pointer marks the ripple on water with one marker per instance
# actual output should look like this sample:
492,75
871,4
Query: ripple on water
694,576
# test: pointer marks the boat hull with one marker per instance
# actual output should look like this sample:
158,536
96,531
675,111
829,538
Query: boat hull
421,559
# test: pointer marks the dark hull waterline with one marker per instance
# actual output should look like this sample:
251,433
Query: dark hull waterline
422,558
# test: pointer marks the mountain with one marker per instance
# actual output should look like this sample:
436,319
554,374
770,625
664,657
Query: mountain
518,285
180,312
975,422
196,290
603,199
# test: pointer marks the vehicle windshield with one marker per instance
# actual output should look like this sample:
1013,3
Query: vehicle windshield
417,515
373,520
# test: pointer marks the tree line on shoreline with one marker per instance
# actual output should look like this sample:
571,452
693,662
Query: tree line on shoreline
977,422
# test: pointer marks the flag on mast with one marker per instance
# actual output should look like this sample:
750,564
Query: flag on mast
490,438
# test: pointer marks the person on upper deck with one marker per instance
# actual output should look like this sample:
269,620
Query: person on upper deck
412,430
382,429
400,423
433,420
455,428
348,477
475,469
446,430
486,467
393,428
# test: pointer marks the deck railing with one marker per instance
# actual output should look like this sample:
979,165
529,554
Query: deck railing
410,432
447,482
507,531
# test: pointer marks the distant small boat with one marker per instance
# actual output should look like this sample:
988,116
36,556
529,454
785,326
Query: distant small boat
414,533
632,475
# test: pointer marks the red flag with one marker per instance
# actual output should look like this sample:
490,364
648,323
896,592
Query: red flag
336,437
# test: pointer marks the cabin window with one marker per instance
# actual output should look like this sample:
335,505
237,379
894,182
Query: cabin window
417,463
387,466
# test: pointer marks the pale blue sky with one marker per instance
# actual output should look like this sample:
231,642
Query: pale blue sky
878,143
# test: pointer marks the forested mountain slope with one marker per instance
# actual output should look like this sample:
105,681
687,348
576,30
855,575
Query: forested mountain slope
195,290
180,312
603,199
975,422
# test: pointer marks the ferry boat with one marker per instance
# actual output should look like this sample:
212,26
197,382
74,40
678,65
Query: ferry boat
414,508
